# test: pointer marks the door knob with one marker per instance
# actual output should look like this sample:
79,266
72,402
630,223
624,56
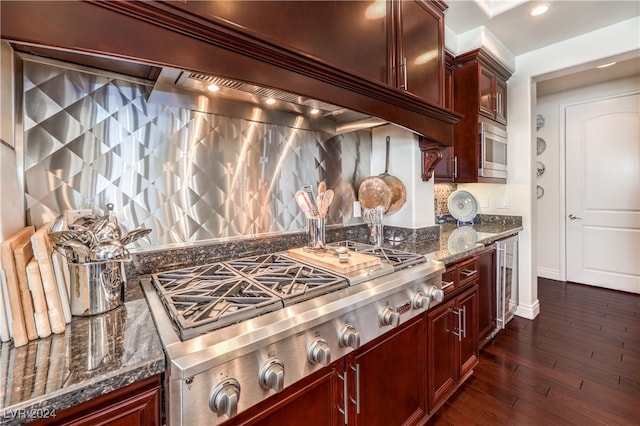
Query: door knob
572,217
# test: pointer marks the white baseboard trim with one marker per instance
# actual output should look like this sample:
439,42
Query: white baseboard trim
551,274
529,311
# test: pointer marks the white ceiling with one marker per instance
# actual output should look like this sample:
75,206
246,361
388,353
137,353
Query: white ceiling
521,33
510,22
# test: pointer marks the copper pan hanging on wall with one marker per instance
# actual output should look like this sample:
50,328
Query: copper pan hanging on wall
383,190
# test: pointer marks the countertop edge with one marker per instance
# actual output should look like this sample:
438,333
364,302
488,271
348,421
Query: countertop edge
62,399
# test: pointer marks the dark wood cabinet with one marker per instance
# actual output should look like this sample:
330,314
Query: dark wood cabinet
420,58
323,50
351,35
387,379
452,345
138,404
467,314
486,295
452,329
311,402
492,96
480,94
445,169
441,362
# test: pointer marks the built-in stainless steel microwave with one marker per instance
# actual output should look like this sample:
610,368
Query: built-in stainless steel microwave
493,151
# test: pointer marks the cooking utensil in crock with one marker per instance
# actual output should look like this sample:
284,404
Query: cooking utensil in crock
109,250
134,235
109,228
80,250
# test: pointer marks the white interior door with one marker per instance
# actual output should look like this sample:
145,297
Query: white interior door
603,193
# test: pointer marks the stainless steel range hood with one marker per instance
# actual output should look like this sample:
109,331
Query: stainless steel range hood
238,99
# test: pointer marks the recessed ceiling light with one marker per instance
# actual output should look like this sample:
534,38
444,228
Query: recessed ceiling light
270,101
315,111
606,65
539,10
213,88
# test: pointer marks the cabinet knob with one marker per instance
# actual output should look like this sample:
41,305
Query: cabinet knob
271,375
224,398
319,352
349,336
389,317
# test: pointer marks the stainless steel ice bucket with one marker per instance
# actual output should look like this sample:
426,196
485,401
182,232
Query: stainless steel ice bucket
96,287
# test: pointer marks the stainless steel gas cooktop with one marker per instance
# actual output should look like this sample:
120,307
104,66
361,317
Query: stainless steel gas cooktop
236,332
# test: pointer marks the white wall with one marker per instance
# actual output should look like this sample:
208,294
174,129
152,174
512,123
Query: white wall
405,161
551,212
617,39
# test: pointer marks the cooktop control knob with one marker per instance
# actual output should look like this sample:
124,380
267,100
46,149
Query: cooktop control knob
349,336
319,352
436,294
389,317
271,375
224,398
420,301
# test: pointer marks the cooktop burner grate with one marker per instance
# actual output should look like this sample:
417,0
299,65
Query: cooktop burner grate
396,258
205,298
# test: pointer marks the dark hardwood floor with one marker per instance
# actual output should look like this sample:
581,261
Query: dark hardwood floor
577,363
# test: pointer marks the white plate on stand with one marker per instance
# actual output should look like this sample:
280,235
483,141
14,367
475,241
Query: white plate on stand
462,206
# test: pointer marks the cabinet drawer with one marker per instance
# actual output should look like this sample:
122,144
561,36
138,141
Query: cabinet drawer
449,279
468,272
460,275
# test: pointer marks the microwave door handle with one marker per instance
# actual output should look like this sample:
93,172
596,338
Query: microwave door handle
482,152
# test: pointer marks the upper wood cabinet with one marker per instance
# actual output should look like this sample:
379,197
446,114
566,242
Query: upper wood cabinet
480,82
398,43
331,51
480,94
352,35
420,58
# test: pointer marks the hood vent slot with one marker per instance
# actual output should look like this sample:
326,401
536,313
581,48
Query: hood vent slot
222,82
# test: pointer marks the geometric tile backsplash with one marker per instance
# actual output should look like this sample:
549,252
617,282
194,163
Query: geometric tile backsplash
92,139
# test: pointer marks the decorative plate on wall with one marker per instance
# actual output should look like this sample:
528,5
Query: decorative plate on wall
541,145
539,191
541,168
539,121
462,206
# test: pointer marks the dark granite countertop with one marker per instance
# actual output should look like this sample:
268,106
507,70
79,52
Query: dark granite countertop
100,354
95,355
459,241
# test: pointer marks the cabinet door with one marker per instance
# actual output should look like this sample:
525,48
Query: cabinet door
501,101
421,55
486,88
351,35
390,377
467,308
486,295
441,366
313,402
136,404
445,170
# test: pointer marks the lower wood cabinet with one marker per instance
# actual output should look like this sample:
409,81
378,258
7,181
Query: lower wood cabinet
387,379
385,385
138,404
452,350
310,402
